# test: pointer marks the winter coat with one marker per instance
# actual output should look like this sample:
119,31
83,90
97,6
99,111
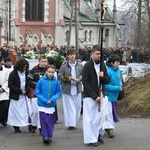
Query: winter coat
47,89
113,87
14,85
65,69
90,82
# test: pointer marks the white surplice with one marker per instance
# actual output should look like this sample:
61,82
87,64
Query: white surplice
19,110
72,109
35,113
109,118
18,115
93,120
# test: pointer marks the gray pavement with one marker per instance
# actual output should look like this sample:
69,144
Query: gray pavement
130,134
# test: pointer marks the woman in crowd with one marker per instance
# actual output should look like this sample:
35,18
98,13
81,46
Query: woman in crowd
19,110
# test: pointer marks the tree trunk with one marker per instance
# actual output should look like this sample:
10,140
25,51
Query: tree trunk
139,33
148,12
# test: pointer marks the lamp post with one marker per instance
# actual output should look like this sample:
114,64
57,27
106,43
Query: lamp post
74,6
9,22
76,26
103,10
103,13
70,26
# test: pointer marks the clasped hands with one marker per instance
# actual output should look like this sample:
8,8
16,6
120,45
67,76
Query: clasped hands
101,74
48,102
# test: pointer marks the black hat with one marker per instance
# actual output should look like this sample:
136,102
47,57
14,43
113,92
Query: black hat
7,59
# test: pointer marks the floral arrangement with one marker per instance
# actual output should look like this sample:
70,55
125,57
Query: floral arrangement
31,55
59,59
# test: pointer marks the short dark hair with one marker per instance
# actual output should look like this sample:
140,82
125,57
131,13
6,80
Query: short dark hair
42,57
71,51
50,66
96,48
7,59
113,58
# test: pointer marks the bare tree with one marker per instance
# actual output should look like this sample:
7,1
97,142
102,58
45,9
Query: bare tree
136,15
139,32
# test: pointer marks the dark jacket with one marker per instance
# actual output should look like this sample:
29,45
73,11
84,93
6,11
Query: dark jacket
90,82
14,85
35,74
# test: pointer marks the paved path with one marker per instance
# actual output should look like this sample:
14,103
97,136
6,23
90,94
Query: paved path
130,134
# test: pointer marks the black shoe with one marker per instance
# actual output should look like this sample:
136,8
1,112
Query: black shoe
39,130
46,140
100,139
71,128
94,144
34,128
30,128
4,124
18,131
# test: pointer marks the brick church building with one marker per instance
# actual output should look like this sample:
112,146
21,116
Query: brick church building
42,22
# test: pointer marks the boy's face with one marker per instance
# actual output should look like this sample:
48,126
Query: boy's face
43,63
72,57
96,55
115,64
50,72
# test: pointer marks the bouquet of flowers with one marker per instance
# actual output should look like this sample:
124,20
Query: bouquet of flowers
31,55
59,59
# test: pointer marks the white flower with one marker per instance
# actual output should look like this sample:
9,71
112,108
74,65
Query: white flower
52,54
31,55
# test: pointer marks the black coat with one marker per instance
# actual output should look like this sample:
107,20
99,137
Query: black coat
14,85
90,82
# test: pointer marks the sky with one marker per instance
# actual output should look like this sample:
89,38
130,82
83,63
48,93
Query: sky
110,3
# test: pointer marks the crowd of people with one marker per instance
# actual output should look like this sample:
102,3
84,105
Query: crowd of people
126,53
29,98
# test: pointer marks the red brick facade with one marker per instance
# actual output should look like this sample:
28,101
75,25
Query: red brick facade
36,27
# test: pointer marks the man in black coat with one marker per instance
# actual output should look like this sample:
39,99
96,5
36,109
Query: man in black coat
92,78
